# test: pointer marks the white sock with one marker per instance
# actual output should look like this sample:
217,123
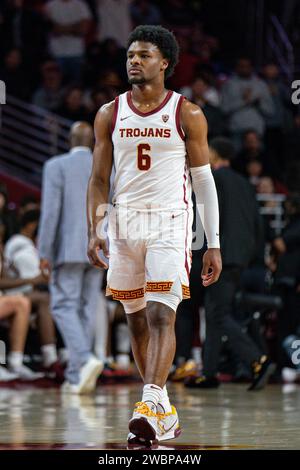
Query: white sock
164,405
151,395
49,354
15,360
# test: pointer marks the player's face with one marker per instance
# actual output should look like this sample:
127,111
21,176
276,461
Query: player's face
144,62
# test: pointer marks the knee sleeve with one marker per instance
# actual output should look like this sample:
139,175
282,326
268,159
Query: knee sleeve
132,306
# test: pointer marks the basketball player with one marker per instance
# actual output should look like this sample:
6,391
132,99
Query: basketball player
155,139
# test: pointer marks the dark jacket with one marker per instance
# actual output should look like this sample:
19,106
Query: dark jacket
241,229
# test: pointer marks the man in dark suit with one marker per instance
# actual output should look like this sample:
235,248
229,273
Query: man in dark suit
240,236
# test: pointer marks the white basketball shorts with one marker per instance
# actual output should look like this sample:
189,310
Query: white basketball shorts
149,252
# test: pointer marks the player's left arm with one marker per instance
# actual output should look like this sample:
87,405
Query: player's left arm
195,127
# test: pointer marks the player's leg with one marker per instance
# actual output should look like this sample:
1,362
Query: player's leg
139,338
162,343
166,262
154,414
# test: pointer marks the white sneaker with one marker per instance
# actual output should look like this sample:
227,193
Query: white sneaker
6,375
88,376
25,373
167,428
168,425
69,388
143,423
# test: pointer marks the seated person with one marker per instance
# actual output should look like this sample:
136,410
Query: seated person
16,308
22,261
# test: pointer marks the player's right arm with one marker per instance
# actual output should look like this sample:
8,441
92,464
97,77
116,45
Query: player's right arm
99,184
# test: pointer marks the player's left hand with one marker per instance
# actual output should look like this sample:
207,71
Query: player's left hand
212,266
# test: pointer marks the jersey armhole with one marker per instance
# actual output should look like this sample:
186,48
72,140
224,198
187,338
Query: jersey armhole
177,118
115,115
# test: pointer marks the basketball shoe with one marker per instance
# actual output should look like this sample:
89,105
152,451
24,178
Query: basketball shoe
167,427
143,423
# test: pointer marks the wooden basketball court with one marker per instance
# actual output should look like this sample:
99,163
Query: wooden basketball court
226,418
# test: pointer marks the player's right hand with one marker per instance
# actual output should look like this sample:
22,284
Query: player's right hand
95,245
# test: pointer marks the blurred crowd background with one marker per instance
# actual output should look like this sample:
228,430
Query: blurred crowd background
237,62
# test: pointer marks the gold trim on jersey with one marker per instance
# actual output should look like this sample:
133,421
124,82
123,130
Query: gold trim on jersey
186,294
159,286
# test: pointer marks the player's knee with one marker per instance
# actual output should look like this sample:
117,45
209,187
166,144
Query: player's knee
133,306
160,314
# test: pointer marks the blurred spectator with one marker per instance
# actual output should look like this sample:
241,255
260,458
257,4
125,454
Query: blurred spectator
185,70
70,20
144,12
98,98
105,65
20,253
15,308
293,176
91,64
266,186
292,141
73,107
23,28
75,284
276,122
287,274
254,171
252,149
246,101
22,259
177,13
111,82
50,95
8,218
202,90
239,220
28,203
14,75
203,46
113,57
206,97
114,20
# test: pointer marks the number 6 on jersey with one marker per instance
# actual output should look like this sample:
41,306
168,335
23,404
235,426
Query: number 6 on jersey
143,159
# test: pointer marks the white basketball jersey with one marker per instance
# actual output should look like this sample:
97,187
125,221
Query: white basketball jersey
151,170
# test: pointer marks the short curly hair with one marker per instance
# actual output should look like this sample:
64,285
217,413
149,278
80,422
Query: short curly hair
162,38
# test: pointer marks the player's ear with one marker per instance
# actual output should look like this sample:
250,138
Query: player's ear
165,64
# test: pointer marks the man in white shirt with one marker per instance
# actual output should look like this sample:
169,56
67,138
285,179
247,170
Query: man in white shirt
70,21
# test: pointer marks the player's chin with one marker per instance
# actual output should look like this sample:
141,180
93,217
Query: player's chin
136,80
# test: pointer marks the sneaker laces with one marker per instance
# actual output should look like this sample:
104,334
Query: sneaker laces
161,415
142,408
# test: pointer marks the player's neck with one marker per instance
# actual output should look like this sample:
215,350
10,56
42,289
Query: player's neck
148,94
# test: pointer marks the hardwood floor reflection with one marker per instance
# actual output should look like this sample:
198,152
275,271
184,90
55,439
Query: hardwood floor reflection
226,418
